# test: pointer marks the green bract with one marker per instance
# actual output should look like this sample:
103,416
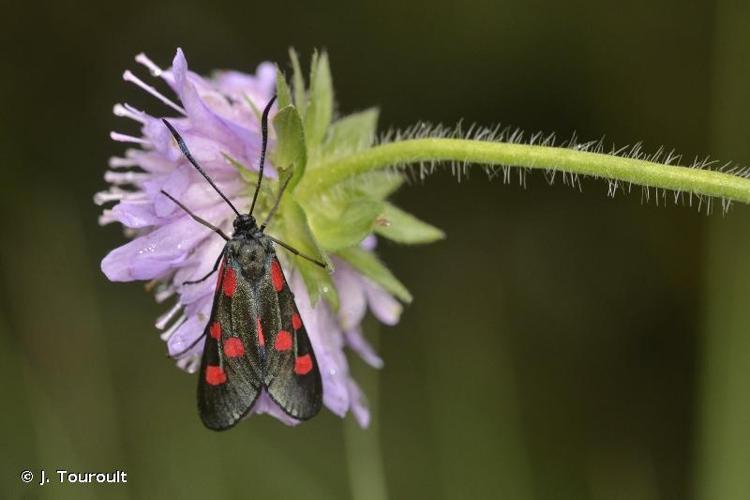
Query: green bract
333,220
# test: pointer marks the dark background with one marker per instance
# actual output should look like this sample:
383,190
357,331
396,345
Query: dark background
562,344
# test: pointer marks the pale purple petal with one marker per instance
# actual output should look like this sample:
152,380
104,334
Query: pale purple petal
327,343
160,251
356,340
265,405
382,304
150,161
174,183
259,87
202,118
359,404
135,214
369,243
352,300
198,266
186,336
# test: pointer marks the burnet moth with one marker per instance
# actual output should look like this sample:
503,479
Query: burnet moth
255,340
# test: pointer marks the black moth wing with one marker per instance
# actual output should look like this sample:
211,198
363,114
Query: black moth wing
292,377
230,375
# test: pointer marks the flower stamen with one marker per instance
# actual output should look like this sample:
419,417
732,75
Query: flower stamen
120,178
117,136
162,320
127,111
119,162
168,333
128,76
116,194
151,65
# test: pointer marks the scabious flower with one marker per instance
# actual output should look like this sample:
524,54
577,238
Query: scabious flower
218,118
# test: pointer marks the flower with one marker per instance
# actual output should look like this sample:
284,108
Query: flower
219,121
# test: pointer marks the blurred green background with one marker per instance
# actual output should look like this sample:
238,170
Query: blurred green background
562,344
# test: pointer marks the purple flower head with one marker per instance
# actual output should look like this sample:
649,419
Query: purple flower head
218,119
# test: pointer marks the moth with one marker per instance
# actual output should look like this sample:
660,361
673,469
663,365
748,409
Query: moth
255,340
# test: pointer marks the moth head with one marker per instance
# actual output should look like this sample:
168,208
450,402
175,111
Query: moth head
245,224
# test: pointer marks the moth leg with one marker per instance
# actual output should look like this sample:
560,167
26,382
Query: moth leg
195,217
297,252
216,267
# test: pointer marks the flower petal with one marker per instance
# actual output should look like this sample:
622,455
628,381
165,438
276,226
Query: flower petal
175,183
202,118
184,337
382,304
135,214
359,404
327,343
264,404
352,299
361,346
160,251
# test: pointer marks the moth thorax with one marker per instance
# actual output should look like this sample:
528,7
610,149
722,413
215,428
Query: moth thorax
251,255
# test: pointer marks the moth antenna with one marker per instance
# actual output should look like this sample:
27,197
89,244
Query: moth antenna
264,135
189,156
297,252
276,204
195,217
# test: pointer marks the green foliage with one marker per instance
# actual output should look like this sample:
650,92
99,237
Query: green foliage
283,94
298,83
297,233
403,227
350,134
369,265
290,154
336,219
344,222
320,101
378,184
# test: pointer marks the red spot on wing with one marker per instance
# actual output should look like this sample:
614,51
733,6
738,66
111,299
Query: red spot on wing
303,364
296,321
261,337
215,330
229,283
277,277
215,375
283,341
233,347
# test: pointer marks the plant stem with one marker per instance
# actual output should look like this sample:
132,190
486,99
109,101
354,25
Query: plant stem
363,450
640,172
723,444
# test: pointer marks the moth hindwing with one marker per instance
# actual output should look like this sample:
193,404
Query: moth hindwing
255,339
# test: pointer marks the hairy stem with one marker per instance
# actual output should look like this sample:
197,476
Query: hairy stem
640,172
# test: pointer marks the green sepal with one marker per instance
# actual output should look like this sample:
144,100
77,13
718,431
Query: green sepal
320,106
402,227
256,111
369,265
297,233
247,175
298,83
290,153
378,184
350,134
344,224
283,95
